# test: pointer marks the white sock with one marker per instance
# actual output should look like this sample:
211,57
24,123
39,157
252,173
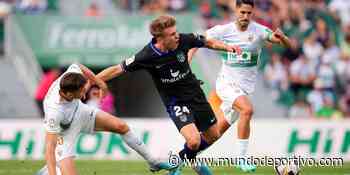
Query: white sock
243,147
136,144
45,171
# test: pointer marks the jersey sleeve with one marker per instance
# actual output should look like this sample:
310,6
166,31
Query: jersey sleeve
194,40
133,63
52,120
266,33
215,32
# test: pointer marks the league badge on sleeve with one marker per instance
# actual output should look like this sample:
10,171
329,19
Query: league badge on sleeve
130,60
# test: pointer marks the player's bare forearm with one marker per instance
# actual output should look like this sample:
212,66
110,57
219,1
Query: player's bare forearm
110,72
216,45
190,54
219,45
93,78
51,142
87,72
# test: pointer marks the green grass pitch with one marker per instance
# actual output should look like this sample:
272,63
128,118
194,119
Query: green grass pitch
109,167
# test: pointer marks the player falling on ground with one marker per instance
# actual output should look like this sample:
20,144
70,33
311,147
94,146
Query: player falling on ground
165,58
236,80
66,117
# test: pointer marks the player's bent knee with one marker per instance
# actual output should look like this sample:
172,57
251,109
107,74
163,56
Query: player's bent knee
121,127
216,135
247,112
212,137
193,144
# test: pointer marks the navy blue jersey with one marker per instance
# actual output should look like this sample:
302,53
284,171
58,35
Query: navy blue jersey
170,71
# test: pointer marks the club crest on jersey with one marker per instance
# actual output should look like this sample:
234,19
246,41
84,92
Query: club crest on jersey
181,57
183,118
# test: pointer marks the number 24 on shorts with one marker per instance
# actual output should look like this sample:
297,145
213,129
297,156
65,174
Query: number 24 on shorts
180,110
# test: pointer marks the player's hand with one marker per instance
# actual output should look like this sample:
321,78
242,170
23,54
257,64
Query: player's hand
234,48
103,92
86,89
103,88
278,33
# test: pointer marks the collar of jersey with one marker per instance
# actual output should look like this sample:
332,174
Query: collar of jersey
156,50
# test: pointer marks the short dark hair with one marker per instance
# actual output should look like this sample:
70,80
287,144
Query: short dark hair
159,24
72,82
248,2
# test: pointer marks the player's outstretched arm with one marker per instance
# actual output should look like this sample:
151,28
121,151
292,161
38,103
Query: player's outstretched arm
280,38
50,144
94,79
219,45
110,72
190,54
192,51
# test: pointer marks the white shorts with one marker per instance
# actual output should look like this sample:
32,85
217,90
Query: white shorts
228,92
83,122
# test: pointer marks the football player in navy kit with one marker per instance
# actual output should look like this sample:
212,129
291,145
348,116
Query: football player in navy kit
165,58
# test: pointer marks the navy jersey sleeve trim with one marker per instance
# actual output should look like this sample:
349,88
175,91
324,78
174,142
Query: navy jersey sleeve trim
123,66
155,49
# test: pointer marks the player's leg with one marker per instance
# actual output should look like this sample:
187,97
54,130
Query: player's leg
45,171
194,143
107,122
64,152
245,109
204,122
184,121
67,166
215,103
193,140
236,104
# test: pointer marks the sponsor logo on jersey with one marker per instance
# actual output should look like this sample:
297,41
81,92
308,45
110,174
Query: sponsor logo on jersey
181,57
174,74
51,123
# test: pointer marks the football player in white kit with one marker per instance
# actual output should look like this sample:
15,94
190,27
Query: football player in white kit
66,117
236,80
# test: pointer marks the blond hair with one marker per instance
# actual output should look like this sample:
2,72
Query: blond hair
159,24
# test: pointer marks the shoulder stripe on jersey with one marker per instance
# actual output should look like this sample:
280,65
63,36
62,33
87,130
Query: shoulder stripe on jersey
155,49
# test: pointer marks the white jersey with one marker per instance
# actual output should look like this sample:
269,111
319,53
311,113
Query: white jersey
241,69
59,112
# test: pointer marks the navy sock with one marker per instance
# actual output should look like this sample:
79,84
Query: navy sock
204,145
188,153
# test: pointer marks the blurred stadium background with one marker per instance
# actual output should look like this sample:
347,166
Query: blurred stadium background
302,98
